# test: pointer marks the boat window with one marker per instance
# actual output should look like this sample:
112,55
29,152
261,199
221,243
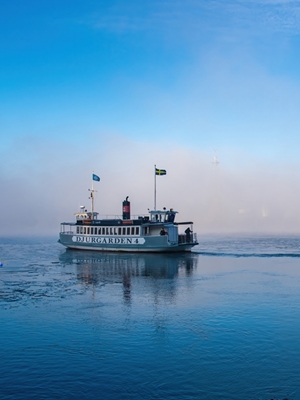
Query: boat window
88,231
77,229
132,230
84,230
92,231
81,229
111,231
119,231
106,229
115,231
124,231
137,230
128,231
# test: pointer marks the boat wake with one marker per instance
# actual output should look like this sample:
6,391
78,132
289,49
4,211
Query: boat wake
244,255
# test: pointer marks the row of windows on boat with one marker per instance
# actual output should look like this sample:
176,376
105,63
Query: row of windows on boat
129,230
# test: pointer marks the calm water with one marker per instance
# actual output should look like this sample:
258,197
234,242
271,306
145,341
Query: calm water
220,323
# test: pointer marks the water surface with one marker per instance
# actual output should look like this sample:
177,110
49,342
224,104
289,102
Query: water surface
221,322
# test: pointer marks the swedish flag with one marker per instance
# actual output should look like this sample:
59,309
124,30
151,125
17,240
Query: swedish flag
160,171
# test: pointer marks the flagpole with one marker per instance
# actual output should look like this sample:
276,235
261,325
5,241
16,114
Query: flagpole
92,194
154,187
94,178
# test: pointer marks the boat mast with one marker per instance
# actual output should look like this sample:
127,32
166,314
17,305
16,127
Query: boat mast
92,192
154,187
92,196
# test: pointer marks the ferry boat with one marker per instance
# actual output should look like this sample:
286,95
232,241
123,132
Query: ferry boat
155,232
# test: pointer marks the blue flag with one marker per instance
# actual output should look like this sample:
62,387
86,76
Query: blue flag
96,178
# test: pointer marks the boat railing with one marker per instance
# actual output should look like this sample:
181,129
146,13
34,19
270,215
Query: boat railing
115,216
185,238
195,240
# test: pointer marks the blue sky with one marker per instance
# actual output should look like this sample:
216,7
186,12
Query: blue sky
117,87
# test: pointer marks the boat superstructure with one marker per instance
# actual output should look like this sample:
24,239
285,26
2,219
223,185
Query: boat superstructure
155,232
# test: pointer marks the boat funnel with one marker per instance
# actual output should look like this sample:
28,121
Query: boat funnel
126,209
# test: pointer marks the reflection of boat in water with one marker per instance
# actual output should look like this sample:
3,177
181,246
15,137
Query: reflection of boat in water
94,268
156,232
113,282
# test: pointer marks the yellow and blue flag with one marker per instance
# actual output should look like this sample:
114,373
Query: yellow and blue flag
160,171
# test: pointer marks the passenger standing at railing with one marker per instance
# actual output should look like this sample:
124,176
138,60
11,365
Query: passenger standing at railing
188,234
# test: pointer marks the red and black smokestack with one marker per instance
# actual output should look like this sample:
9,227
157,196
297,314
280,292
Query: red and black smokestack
126,209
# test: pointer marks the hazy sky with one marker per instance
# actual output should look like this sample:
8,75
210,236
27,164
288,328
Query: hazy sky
118,86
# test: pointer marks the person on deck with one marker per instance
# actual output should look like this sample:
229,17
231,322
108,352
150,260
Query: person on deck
188,233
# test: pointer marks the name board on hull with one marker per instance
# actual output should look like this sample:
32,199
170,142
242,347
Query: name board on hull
107,240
